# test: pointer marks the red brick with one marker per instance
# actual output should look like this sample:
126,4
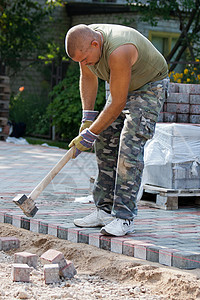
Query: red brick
51,273
26,258
178,98
69,270
20,273
195,109
8,243
194,99
52,256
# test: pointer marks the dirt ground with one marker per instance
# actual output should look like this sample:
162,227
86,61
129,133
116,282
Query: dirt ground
100,274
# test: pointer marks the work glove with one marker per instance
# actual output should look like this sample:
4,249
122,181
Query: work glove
83,142
87,119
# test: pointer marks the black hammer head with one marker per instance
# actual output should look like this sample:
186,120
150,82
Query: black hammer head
26,204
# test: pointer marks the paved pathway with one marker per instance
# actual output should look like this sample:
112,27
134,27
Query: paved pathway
169,237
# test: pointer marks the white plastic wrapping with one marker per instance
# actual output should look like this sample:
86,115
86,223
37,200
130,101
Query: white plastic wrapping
173,143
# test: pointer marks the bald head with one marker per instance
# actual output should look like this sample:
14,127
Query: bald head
79,38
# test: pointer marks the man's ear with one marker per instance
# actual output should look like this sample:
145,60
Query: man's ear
94,44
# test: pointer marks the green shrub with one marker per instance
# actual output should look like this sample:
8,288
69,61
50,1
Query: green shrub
65,108
30,109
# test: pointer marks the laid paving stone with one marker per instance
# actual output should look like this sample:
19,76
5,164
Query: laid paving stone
186,260
94,239
83,236
166,256
178,229
117,244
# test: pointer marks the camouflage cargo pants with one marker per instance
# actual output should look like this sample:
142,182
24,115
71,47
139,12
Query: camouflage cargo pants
120,148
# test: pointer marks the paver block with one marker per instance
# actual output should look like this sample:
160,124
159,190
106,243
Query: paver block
94,239
51,273
53,230
20,272
69,270
183,118
178,98
25,223
169,117
26,258
128,247
73,234
186,260
140,250
189,88
52,256
62,233
16,221
194,99
34,225
195,119
8,243
153,253
105,242
8,218
117,244
43,228
166,256
194,109
178,108
83,236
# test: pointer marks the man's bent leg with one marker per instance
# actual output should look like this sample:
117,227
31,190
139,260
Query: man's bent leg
141,111
106,148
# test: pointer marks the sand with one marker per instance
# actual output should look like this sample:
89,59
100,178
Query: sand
100,274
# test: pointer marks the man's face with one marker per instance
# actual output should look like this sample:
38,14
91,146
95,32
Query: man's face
90,56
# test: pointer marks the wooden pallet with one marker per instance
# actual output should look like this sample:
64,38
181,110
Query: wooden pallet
168,198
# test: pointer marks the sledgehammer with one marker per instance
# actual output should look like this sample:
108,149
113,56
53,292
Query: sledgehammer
26,203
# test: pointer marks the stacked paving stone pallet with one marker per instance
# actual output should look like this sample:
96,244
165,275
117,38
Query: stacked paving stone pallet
4,105
182,104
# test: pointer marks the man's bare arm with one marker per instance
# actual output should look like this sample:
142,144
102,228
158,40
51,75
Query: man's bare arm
88,87
120,63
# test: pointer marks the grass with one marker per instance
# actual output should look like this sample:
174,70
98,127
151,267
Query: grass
37,141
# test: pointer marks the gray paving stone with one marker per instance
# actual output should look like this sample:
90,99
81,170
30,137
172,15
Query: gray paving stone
62,233
83,236
8,218
186,260
43,228
25,223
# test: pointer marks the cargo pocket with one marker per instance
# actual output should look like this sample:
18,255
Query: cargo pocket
147,125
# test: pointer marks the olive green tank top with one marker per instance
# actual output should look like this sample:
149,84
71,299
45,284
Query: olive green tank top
150,65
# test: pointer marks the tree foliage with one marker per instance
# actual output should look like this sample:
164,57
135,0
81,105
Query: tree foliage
187,12
22,27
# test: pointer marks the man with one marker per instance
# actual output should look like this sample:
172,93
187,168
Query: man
137,73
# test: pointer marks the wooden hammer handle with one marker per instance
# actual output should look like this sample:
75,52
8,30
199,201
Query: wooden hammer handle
48,178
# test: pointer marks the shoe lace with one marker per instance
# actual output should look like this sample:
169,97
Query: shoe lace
127,222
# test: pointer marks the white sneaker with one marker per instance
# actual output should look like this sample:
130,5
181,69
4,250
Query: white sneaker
97,218
118,227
